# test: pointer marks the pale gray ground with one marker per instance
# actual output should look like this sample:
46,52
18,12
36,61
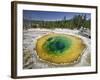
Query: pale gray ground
31,60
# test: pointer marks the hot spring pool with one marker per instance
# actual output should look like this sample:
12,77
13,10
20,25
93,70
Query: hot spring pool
59,48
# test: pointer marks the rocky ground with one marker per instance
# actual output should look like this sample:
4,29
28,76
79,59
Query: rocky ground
30,58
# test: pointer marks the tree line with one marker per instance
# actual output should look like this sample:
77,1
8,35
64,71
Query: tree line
76,22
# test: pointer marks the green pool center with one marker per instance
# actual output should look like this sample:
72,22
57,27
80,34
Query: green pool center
56,45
